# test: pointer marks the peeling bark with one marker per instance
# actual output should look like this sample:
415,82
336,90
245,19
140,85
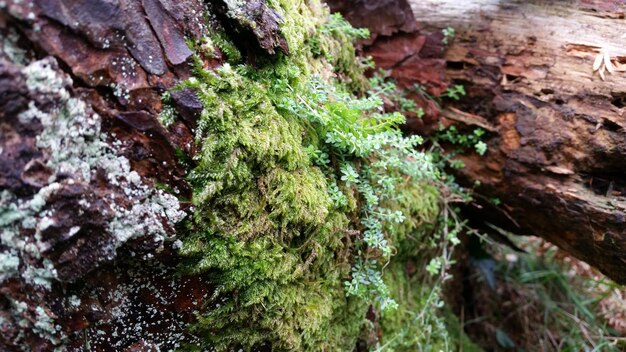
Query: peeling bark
557,158
555,127
74,279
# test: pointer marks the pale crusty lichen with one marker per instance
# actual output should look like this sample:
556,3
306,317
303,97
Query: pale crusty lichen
16,214
75,147
10,49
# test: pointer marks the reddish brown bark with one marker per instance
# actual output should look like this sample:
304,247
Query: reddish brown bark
118,57
557,144
557,156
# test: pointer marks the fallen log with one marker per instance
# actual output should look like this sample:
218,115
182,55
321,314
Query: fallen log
546,81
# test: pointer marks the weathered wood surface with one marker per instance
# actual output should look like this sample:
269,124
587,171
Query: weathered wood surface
555,128
557,153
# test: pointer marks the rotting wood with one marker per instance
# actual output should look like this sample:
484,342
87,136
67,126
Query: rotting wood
558,161
556,154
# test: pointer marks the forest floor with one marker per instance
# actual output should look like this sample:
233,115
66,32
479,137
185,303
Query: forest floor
540,300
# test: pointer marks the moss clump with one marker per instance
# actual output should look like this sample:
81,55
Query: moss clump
302,192
264,225
414,323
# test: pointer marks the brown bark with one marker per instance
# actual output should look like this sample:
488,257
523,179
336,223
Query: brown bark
118,57
557,157
557,144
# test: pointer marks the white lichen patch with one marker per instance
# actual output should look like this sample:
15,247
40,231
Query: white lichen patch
18,254
9,47
120,91
74,301
235,7
44,323
75,149
9,264
75,144
167,116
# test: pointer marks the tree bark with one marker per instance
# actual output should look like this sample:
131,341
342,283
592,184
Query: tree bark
81,83
555,128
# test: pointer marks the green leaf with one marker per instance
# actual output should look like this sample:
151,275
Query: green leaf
504,340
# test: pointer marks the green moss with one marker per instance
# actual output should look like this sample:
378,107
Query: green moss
218,39
413,324
264,227
419,202
278,226
455,331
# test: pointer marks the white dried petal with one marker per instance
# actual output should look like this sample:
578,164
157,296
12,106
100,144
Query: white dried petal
597,62
607,62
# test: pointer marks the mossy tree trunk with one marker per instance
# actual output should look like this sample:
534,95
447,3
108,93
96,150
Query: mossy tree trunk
556,157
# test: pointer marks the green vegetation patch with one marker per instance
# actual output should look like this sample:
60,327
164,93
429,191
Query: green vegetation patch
304,189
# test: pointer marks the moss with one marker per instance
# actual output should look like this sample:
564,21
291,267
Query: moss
418,324
275,227
455,331
419,201
218,39
264,226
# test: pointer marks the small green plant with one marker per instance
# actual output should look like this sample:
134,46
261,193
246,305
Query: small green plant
357,134
410,106
455,92
448,34
385,88
480,147
463,140
338,26
456,164
495,201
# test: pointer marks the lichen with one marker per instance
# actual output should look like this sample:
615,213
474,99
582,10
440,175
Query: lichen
15,247
74,148
9,264
9,46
